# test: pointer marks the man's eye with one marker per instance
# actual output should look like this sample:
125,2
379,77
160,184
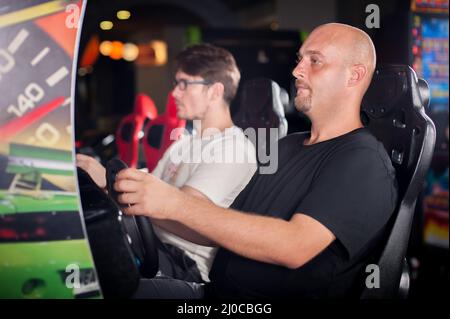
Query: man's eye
315,61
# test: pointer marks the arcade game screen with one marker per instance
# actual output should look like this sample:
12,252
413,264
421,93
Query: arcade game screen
430,57
429,49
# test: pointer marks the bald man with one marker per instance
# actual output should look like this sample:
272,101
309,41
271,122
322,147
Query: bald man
311,229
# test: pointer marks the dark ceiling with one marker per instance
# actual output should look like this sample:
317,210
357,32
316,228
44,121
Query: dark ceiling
237,5
154,14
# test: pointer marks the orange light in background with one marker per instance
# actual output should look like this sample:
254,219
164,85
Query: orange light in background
150,54
130,52
105,47
160,48
116,50
90,53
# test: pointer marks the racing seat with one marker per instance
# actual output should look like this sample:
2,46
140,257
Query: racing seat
130,129
160,133
394,111
261,107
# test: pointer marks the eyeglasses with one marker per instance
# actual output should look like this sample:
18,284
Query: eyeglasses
182,84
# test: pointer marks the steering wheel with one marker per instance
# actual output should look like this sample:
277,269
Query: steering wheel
123,247
139,229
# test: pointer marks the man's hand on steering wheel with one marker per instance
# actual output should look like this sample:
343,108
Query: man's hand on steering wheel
146,194
95,170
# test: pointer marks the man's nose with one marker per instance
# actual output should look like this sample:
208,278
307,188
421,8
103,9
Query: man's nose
298,71
176,92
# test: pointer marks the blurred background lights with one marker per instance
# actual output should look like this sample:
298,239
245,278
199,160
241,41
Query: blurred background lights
160,48
130,51
105,47
123,14
116,50
106,25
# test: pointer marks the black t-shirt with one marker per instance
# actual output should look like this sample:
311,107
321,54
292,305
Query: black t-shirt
348,185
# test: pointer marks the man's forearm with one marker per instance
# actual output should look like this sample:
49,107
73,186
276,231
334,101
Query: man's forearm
183,232
256,237
288,243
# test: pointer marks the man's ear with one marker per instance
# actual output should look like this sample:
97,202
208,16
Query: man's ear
217,90
357,75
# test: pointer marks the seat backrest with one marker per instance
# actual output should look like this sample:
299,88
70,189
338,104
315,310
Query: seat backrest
160,133
261,106
130,127
394,111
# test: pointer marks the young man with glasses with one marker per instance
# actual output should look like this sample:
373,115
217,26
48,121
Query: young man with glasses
213,164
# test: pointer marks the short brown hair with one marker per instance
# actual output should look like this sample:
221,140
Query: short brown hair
213,64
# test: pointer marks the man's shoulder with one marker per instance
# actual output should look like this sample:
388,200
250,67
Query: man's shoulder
363,147
362,137
363,140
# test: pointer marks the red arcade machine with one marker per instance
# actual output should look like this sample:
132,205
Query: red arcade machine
160,133
130,130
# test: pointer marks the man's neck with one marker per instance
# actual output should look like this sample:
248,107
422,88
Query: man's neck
333,127
216,119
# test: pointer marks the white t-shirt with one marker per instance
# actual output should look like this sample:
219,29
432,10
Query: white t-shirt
219,166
